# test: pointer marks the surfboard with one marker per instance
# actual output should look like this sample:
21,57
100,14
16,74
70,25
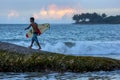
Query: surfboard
41,29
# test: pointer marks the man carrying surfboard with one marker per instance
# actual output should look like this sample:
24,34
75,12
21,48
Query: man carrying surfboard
35,32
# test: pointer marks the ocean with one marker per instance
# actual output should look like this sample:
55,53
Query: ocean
79,40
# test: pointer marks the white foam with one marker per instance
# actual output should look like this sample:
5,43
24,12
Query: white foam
58,47
84,48
79,47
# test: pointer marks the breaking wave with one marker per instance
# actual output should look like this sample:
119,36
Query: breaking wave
79,47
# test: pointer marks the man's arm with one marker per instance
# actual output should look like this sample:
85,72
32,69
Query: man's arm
28,27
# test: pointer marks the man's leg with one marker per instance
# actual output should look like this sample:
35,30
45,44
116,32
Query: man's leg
36,40
33,39
38,45
31,43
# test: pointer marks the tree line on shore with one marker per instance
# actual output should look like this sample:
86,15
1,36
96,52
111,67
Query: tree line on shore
95,18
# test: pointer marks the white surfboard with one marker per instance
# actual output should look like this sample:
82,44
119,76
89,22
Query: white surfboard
42,28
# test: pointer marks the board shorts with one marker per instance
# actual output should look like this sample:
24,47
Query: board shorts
34,38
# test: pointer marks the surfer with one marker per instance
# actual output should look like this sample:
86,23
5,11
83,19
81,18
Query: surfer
35,33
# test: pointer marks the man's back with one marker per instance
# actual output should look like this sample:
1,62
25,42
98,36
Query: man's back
35,27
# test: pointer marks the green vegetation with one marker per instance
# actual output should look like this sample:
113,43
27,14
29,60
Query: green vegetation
94,18
14,62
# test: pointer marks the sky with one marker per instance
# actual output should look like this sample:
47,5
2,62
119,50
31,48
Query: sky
53,11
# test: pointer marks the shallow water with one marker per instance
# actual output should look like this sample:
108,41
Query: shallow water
78,40
68,38
113,75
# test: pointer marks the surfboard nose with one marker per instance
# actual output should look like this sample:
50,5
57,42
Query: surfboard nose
48,25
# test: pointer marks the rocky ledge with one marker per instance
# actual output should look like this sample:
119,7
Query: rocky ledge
14,58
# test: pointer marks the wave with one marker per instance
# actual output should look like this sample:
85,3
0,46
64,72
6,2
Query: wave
78,47
84,47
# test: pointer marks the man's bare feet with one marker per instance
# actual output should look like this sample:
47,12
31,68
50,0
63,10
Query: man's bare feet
39,48
30,47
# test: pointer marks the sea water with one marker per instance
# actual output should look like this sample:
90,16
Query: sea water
79,40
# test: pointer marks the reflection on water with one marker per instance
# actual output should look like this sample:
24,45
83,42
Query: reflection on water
112,75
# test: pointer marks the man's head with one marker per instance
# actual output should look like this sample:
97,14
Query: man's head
32,19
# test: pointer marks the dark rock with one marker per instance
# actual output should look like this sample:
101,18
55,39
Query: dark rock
18,49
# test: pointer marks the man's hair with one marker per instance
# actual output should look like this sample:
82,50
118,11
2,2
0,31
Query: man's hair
32,18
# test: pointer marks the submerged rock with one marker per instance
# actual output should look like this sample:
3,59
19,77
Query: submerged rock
11,61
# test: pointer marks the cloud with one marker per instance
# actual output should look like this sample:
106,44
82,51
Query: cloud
13,13
54,12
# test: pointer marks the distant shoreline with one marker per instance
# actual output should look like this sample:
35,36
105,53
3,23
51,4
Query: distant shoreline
94,23
95,18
